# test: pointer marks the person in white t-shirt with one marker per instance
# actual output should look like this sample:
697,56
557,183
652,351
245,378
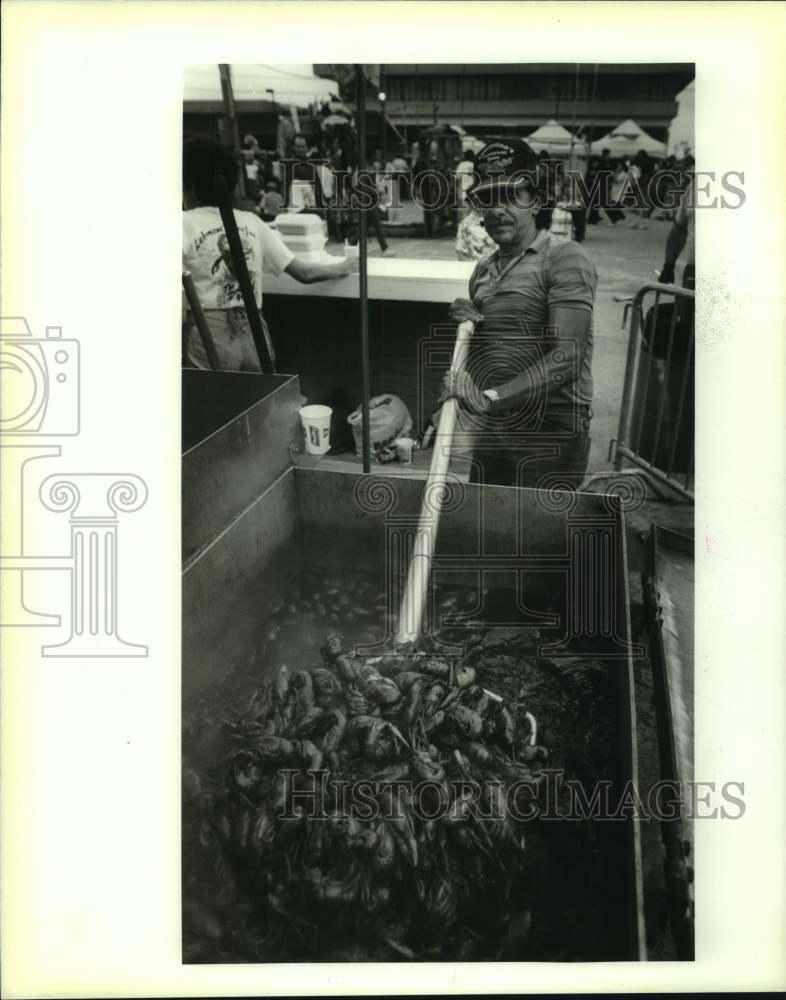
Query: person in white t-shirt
207,257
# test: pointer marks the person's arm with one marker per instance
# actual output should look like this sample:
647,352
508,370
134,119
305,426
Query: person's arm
570,303
307,272
558,367
675,241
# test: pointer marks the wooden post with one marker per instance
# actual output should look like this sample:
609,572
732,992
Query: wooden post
243,278
360,96
201,323
231,131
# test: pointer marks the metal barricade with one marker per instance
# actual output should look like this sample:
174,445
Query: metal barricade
656,431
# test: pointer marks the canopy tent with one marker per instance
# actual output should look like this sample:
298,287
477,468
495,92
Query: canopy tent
551,138
627,139
294,84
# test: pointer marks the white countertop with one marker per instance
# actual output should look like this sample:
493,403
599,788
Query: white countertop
388,278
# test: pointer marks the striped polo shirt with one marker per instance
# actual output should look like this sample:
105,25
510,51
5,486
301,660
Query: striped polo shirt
516,300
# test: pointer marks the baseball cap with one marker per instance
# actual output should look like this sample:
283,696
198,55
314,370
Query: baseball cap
501,167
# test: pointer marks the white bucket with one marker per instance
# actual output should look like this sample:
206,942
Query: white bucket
316,424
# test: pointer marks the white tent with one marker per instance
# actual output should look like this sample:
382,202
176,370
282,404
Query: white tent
551,138
627,139
291,84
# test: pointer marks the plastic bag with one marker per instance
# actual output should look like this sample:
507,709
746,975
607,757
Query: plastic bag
388,419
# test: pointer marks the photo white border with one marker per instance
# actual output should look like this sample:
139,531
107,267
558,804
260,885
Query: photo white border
91,131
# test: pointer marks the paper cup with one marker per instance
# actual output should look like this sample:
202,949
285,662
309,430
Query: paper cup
404,448
316,425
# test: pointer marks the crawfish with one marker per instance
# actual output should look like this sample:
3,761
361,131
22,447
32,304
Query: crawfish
433,697
246,772
385,693
309,756
331,890
397,815
479,754
384,849
477,699
327,687
349,669
196,788
281,687
308,722
374,737
278,752
442,902
263,832
334,735
301,692
439,667
407,678
427,769
466,724
500,726
332,646
412,703
465,676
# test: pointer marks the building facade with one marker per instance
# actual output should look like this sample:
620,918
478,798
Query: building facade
514,99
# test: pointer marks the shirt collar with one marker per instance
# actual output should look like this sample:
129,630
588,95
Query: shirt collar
541,239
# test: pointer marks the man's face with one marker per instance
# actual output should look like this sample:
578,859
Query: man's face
300,148
510,221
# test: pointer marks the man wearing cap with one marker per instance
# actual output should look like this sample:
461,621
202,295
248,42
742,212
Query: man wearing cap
527,388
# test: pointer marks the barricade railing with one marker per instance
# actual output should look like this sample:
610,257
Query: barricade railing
656,428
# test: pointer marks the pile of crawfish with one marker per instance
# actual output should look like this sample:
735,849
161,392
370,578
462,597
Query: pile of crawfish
310,843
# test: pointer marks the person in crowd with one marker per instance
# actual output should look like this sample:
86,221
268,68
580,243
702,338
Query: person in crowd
570,198
206,255
615,213
548,174
272,204
682,236
401,171
432,189
251,167
265,176
642,174
465,174
285,136
600,175
472,240
308,185
528,381
349,224
666,187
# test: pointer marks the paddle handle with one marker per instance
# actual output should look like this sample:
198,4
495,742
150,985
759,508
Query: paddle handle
411,613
